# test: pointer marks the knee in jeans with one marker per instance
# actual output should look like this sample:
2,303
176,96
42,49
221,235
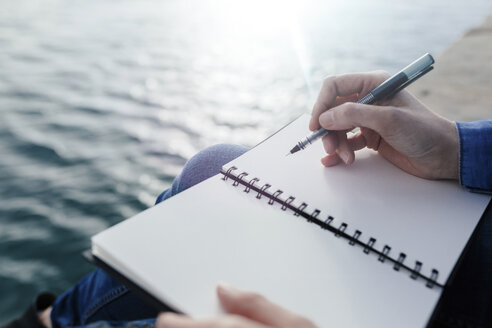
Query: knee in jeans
208,162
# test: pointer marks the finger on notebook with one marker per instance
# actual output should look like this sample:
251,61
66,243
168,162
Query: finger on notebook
344,150
357,142
343,85
330,142
258,308
171,320
331,160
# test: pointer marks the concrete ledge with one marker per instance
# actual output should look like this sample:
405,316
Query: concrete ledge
460,87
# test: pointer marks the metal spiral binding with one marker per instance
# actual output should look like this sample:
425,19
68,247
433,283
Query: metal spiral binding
386,250
416,270
356,236
369,245
275,196
315,214
228,173
250,184
262,191
300,209
430,283
240,177
400,260
287,203
328,220
340,231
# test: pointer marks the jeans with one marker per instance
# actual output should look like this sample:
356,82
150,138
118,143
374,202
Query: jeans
99,301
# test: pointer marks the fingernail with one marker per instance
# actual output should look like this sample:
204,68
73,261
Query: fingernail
226,289
344,155
326,118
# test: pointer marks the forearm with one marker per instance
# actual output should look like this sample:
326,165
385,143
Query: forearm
475,163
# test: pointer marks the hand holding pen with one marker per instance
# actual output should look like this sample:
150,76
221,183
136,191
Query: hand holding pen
386,90
402,129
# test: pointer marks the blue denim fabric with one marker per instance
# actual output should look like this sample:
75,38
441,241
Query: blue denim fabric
203,165
98,297
476,155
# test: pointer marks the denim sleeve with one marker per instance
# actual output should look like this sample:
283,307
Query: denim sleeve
476,155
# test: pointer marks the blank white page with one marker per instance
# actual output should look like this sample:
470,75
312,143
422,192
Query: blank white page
429,221
180,249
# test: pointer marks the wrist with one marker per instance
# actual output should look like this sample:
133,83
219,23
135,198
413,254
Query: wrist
451,156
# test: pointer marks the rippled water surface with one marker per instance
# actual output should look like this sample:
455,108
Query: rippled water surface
102,102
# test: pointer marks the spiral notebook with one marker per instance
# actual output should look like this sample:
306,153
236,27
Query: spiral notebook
348,246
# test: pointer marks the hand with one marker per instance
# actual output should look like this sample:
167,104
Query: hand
402,130
246,310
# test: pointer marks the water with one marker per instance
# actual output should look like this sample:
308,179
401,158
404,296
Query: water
103,101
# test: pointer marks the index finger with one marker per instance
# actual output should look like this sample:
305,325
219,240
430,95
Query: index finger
341,86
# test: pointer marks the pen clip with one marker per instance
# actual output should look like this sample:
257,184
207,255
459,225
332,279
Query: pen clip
411,80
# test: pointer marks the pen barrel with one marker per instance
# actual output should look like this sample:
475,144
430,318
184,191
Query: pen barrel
313,137
421,64
388,86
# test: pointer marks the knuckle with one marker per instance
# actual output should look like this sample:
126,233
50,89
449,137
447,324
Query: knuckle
348,106
347,109
328,81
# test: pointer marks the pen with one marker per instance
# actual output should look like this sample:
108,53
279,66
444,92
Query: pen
385,90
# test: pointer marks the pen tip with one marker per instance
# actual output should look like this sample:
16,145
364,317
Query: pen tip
287,154
294,150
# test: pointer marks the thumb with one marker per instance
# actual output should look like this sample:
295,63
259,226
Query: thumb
257,308
350,115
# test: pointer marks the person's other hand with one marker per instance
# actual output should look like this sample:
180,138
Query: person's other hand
402,130
245,310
